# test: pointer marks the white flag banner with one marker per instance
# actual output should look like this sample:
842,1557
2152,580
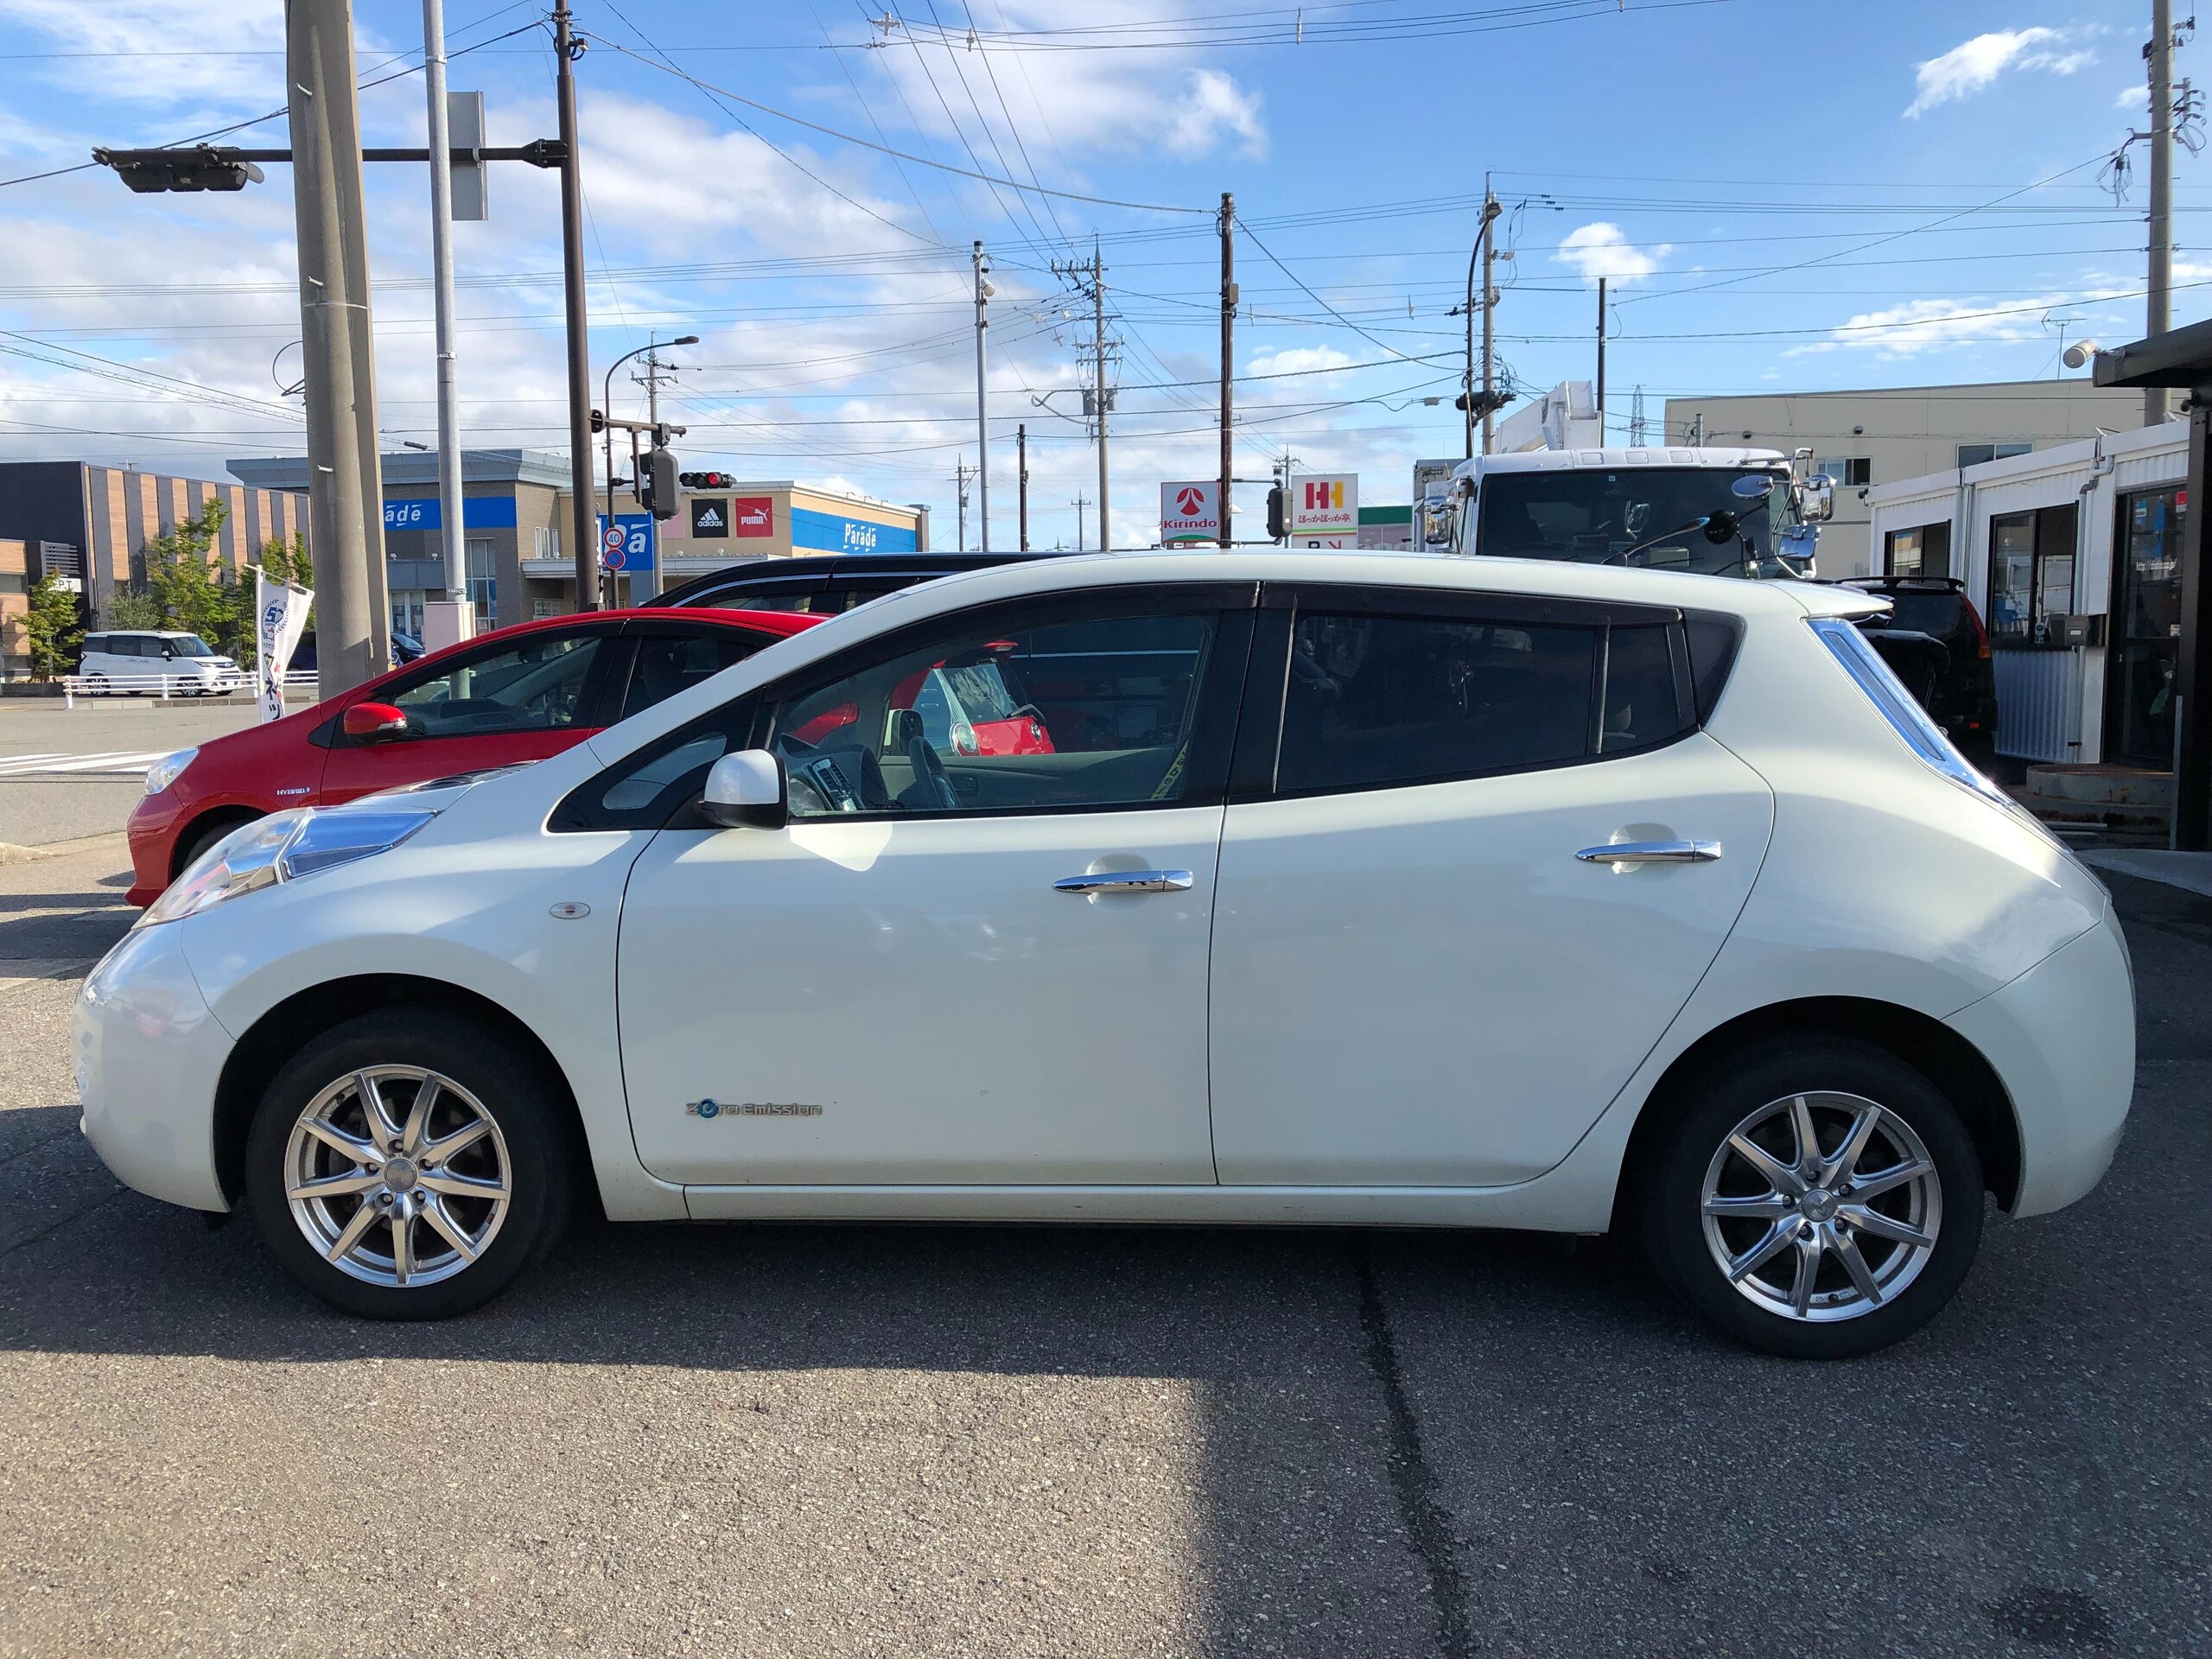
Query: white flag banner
280,617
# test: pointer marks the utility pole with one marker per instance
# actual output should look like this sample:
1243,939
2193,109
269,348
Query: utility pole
983,292
566,50
1228,346
1601,362
1078,503
2160,53
1021,482
960,477
1479,254
1489,302
449,506
345,476
1090,277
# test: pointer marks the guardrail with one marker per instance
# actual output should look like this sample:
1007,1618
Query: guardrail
165,686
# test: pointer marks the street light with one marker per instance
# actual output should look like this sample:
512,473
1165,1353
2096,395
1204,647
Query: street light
607,404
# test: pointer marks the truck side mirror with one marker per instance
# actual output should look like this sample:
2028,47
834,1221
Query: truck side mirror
1816,500
1436,521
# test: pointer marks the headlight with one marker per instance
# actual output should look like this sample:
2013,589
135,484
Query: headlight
167,770
283,846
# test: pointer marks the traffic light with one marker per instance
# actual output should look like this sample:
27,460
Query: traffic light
1278,527
706,480
203,166
657,492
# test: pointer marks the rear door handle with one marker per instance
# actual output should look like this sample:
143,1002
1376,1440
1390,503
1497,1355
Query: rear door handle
1652,852
1126,881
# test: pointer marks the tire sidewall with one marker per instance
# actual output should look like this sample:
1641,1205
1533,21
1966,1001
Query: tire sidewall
511,1087
1774,1069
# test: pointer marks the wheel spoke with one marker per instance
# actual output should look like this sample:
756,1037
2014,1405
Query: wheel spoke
354,1152
437,1153
1846,1249
1883,1180
403,1246
334,1187
418,1115
1808,1269
1778,1237
434,1211
350,1235
1808,1139
1882,1226
1855,1144
1767,1207
1779,1175
380,1125
462,1187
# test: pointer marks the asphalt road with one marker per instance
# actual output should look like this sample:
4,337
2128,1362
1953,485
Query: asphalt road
859,1440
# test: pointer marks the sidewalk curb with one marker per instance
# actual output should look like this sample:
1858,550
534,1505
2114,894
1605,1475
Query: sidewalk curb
10,852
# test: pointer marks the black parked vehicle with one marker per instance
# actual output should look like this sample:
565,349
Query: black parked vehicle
825,583
1953,680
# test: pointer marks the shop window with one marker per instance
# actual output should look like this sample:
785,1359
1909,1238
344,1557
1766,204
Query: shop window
1923,551
2030,574
483,584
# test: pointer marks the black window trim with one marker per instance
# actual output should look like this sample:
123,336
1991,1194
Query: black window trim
1255,764
1230,601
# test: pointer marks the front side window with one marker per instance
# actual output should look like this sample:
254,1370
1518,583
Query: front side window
535,685
190,645
986,718
669,664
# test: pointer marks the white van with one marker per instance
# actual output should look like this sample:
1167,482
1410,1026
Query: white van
182,664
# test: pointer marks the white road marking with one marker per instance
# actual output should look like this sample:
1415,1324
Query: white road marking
121,763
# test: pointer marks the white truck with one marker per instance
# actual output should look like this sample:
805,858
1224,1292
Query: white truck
1734,513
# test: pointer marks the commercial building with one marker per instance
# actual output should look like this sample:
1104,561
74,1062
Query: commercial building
1869,438
2073,557
90,525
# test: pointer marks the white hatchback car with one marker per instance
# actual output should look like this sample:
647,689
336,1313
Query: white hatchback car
1279,888
144,662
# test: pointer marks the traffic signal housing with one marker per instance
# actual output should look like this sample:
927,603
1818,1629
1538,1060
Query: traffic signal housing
708,480
1278,525
657,492
202,167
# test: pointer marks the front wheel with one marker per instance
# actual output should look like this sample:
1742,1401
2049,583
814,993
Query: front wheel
409,1163
1819,1198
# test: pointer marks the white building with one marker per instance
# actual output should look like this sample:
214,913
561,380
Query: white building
2073,557
1870,438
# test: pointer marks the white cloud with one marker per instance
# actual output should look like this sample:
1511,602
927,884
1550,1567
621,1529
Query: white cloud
1214,109
1304,360
1971,66
2135,98
1922,326
1600,250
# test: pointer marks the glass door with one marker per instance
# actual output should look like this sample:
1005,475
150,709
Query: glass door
2145,629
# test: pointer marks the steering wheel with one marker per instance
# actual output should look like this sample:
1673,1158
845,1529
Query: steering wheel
928,768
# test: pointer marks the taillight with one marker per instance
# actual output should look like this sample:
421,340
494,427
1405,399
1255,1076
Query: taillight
1980,633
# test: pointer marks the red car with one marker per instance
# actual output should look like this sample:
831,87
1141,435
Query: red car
515,695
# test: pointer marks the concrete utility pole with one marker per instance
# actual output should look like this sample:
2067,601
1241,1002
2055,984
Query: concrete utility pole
1098,346
1478,255
449,506
1489,302
983,292
1021,482
1078,503
345,478
1228,346
1601,361
2159,300
566,50
961,474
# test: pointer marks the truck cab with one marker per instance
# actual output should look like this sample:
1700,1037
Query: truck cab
1733,512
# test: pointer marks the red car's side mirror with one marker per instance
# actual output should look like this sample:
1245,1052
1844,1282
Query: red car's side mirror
374,723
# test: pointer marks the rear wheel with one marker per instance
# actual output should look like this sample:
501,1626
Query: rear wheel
1819,1199
408,1164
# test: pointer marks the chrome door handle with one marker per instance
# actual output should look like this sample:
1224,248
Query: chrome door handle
1652,852
1126,881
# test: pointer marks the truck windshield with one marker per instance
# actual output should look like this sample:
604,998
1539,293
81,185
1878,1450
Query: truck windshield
1639,516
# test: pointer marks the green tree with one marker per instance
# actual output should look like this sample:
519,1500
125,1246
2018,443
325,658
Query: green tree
134,608
185,575
52,627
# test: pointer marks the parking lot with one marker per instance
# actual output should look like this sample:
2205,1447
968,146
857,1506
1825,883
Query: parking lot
828,1440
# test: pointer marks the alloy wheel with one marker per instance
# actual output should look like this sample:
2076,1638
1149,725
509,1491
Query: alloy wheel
398,1175
1821,1206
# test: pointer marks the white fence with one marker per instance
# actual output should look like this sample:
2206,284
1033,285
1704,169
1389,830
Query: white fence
165,686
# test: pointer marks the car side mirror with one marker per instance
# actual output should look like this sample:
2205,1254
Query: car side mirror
374,723
746,790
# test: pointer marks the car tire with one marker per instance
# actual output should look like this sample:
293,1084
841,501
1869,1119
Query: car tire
424,1220
204,835
1821,1254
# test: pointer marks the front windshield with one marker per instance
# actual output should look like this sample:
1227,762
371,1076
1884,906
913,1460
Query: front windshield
191,645
1637,515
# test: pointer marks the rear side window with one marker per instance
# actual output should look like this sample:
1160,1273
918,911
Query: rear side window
1940,614
666,665
1640,707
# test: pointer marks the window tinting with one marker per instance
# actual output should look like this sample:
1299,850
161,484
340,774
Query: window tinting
1373,701
1092,713
1640,705
666,665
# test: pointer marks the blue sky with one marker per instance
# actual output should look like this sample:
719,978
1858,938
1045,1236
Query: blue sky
1785,196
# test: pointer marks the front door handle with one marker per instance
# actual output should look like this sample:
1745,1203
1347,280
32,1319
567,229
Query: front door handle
1652,852
1126,881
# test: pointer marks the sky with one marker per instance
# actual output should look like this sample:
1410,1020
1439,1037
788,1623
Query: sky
1783,196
